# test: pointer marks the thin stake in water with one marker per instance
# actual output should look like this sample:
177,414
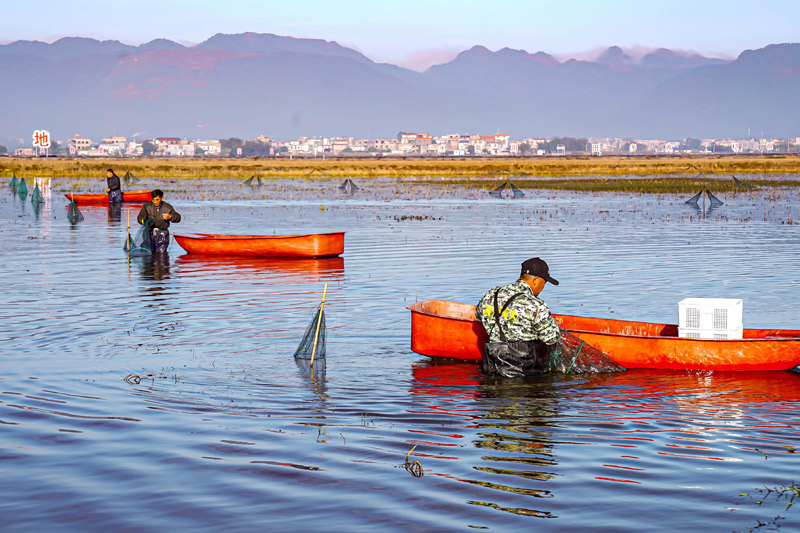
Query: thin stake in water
319,321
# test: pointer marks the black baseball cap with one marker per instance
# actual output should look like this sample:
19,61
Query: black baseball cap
537,267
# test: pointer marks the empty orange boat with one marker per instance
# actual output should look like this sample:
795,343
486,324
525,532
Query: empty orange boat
102,198
312,245
440,328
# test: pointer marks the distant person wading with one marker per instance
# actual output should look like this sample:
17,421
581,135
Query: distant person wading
157,215
114,189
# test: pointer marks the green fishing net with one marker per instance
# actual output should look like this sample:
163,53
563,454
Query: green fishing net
314,336
140,245
37,197
571,355
73,213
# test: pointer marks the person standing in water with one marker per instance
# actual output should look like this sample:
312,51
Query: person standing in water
114,189
518,323
157,215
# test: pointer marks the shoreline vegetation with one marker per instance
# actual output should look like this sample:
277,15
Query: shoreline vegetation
646,174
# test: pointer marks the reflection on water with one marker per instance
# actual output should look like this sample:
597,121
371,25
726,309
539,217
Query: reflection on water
114,212
249,269
225,427
154,267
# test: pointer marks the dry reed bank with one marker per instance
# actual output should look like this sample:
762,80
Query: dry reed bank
664,173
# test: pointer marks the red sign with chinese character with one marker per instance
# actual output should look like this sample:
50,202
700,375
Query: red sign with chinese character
41,138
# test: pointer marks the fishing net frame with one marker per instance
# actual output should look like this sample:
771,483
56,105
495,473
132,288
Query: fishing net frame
715,202
498,192
315,333
36,197
516,192
140,245
314,342
73,213
348,186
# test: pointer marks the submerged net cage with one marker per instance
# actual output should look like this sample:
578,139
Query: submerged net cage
715,202
320,172
498,192
37,197
73,213
694,199
313,342
571,355
516,192
140,245
348,186
254,181
22,188
13,183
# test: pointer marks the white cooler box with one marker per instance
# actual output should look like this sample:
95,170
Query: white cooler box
710,318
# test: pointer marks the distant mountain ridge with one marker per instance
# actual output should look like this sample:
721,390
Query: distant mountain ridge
249,84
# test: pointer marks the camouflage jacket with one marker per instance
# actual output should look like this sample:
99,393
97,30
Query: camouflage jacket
527,318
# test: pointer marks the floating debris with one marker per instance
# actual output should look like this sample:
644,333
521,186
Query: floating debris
413,467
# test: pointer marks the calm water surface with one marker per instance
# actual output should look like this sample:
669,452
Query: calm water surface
225,431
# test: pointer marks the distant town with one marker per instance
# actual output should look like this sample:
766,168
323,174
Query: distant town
405,144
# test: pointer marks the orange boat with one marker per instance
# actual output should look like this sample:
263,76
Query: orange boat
312,245
102,198
449,329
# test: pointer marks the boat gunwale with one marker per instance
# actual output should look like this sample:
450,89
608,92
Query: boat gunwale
795,338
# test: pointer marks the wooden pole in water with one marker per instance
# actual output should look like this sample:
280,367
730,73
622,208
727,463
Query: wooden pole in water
128,237
319,321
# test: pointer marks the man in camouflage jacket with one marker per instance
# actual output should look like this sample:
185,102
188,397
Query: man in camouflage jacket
523,316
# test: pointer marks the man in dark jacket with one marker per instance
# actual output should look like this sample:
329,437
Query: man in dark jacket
114,189
157,215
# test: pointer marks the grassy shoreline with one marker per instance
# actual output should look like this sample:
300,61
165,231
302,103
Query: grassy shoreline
664,173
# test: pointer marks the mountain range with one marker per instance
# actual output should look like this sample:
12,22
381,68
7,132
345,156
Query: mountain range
245,85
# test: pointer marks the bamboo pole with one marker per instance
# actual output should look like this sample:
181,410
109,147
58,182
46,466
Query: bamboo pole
319,321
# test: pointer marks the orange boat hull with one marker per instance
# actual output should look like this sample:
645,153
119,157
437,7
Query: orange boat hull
449,329
102,198
312,245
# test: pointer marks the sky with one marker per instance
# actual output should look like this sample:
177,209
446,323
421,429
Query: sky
418,33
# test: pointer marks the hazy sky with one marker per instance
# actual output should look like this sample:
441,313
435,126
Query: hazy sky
418,32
